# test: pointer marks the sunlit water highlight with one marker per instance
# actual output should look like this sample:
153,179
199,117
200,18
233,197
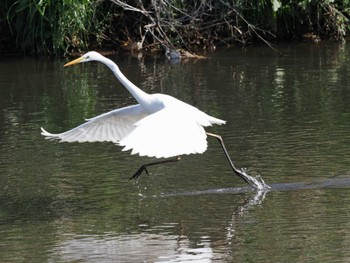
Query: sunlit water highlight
288,119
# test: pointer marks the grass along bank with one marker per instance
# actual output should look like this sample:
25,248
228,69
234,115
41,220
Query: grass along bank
64,26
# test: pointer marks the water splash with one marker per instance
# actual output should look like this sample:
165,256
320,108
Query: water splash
256,181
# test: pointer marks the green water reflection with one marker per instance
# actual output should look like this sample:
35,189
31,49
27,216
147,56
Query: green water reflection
288,119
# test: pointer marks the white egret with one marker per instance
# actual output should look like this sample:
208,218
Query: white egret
158,126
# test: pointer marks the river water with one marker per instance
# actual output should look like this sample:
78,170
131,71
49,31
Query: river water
288,119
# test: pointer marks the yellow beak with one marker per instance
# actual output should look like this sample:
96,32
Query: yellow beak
75,61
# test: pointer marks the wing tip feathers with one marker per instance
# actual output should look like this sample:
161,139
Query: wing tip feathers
45,133
48,135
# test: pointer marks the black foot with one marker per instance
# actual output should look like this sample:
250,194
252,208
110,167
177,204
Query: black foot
139,172
144,167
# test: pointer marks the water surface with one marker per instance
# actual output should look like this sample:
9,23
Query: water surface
288,119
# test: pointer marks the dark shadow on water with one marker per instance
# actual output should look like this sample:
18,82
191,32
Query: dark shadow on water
339,181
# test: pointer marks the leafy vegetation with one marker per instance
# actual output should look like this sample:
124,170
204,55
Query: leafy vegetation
63,26
45,26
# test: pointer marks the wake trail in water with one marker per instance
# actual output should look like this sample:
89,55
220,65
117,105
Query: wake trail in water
342,182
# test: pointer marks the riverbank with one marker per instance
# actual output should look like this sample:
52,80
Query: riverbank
58,28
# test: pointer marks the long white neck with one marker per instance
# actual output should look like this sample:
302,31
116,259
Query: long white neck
141,96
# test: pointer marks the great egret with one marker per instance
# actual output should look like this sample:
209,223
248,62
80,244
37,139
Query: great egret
158,126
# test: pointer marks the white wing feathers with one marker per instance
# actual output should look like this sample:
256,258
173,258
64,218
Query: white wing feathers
111,126
166,133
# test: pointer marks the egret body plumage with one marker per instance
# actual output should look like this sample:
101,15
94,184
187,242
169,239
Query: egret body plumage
158,125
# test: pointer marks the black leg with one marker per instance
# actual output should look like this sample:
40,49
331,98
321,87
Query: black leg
257,182
237,171
144,167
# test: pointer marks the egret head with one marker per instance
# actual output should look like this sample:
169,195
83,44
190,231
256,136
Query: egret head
90,56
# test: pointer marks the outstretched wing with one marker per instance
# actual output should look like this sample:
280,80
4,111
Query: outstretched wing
164,134
111,126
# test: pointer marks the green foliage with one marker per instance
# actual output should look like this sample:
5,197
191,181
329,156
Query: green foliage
325,18
208,23
46,26
61,26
